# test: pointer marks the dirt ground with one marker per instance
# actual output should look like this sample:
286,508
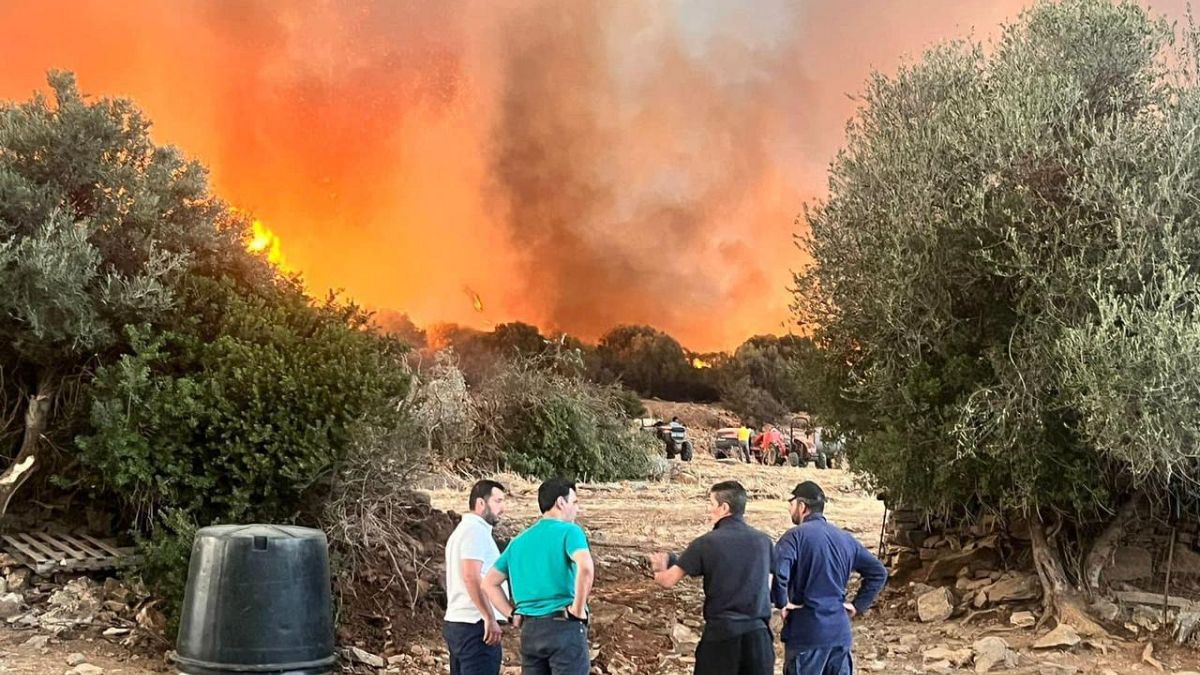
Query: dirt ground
640,628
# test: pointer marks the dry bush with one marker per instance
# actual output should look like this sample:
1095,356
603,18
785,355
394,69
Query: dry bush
387,541
536,418
442,407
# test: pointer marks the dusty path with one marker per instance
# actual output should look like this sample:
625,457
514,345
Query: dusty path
640,628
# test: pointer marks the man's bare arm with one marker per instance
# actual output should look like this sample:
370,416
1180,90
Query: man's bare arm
670,576
585,574
472,577
494,590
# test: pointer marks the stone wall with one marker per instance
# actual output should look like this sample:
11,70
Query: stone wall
1141,560
955,565
914,541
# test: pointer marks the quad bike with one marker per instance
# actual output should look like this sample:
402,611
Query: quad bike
673,436
677,443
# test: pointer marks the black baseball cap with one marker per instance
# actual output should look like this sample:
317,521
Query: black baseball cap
808,491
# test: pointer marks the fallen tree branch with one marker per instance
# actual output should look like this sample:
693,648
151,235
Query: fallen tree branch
1155,600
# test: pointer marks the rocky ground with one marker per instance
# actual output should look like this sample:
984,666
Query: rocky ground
639,628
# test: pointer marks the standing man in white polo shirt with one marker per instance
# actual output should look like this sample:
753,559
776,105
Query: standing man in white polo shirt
472,628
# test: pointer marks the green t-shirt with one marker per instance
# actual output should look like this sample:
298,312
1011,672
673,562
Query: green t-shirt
539,567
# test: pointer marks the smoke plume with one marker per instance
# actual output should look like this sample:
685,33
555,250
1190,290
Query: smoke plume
577,164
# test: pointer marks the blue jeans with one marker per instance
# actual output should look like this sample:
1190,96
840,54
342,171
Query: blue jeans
469,655
554,646
818,661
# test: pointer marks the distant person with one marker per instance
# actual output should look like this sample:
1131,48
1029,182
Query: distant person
550,571
743,438
678,431
472,628
735,561
813,562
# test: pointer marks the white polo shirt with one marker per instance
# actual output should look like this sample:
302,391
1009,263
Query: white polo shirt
471,540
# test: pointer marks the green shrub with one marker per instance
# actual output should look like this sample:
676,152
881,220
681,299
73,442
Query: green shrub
238,410
540,423
165,552
753,405
630,402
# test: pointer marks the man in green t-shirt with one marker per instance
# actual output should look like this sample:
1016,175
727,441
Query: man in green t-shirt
550,572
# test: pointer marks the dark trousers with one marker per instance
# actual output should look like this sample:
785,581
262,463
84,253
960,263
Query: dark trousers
818,661
554,646
747,654
468,653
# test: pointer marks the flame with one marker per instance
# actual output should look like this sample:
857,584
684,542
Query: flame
476,301
699,363
265,242
356,126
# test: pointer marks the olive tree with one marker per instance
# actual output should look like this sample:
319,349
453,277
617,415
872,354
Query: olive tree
96,224
1004,279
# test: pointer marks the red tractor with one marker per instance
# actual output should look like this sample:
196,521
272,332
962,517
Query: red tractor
794,448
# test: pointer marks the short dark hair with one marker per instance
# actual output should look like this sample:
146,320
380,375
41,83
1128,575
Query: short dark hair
551,490
483,490
732,493
814,505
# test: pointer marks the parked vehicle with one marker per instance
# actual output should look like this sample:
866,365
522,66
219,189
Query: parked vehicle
725,444
770,446
673,435
828,448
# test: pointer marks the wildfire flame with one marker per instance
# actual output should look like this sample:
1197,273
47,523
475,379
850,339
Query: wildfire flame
699,363
476,301
265,242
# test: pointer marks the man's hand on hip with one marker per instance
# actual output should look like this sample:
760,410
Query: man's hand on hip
580,613
788,610
491,631
850,609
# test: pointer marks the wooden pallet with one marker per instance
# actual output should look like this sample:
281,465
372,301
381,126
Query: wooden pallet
47,552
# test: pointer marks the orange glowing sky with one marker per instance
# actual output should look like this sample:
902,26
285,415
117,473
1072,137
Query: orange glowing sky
578,164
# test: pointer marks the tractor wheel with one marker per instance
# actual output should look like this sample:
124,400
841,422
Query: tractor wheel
670,448
793,459
800,453
822,461
685,453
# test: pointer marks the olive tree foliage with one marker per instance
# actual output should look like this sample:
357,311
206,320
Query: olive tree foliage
96,225
651,363
767,377
1004,276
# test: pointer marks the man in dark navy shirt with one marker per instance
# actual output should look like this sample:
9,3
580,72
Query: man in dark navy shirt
735,561
813,562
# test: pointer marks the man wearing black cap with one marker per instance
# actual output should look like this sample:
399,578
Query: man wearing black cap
813,562
735,561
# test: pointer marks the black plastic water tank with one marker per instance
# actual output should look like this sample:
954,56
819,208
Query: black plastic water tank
257,601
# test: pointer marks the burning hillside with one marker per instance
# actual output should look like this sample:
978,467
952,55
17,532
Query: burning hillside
580,164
